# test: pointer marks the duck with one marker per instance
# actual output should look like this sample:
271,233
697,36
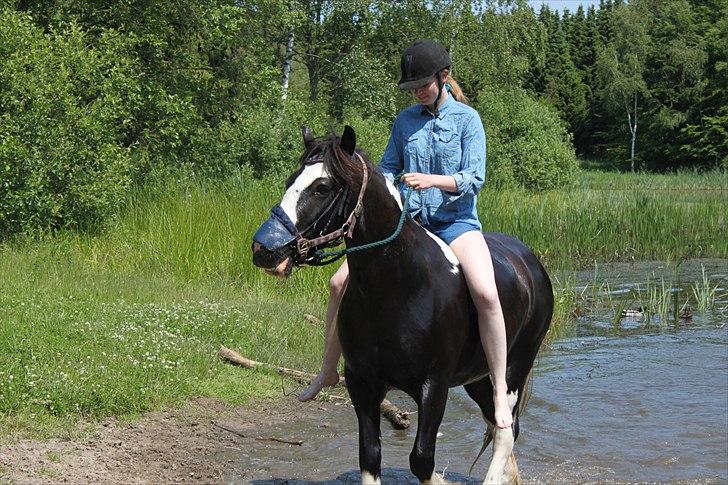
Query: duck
686,314
633,313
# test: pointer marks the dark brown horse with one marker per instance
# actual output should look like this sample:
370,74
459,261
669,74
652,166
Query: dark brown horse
406,320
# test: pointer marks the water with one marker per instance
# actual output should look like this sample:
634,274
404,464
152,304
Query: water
610,403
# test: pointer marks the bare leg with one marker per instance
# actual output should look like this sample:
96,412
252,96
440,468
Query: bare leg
328,375
477,265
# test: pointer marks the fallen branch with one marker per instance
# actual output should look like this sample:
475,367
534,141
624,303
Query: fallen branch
398,418
259,438
237,359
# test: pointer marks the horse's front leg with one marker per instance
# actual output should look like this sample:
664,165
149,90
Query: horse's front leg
367,395
431,408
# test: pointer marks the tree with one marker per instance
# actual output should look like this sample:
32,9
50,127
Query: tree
705,134
563,84
676,76
620,70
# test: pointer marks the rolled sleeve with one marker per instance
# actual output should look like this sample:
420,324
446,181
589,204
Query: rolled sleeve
471,177
392,161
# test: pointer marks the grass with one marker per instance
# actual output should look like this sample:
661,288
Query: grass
80,341
131,320
608,217
704,292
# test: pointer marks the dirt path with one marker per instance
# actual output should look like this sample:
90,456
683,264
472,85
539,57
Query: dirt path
181,445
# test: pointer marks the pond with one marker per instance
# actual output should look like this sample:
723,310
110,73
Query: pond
614,400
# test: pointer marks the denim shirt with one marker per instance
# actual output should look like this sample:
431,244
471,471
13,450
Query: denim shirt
451,143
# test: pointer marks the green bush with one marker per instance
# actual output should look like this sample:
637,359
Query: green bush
63,109
528,144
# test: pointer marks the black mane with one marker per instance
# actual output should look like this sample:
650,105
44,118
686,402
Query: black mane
344,168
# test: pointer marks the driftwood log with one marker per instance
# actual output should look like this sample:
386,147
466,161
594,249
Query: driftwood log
398,418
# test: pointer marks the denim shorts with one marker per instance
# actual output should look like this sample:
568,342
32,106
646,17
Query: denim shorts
450,231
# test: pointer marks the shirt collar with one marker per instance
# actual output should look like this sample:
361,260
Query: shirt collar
443,107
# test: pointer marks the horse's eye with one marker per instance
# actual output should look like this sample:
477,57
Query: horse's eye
322,191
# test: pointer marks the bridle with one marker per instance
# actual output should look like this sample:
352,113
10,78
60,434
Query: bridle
334,238
280,231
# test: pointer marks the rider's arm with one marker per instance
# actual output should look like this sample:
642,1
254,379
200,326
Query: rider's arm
392,160
471,176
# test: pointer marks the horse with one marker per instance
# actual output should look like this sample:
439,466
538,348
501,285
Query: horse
406,320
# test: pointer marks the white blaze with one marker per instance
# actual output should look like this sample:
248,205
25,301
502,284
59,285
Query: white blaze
304,180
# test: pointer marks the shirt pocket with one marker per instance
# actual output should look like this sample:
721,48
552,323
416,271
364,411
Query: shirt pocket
449,151
415,149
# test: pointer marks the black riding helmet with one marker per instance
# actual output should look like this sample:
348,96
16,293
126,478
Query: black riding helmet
420,62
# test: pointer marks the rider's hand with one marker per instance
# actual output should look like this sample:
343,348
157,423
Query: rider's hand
418,181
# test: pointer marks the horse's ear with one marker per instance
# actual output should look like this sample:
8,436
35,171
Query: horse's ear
348,140
307,137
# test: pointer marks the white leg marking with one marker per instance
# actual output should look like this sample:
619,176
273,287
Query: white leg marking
512,399
435,479
368,479
304,179
502,448
447,252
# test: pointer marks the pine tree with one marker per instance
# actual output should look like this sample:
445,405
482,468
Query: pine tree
563,84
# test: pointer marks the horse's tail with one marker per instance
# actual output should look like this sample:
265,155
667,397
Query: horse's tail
487,438
526,395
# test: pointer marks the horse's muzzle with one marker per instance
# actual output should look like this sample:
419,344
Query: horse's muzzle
278,262
272,244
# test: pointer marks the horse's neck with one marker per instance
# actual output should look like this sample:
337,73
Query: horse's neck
380,217
380,214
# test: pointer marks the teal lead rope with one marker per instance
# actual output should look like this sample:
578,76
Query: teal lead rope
326,257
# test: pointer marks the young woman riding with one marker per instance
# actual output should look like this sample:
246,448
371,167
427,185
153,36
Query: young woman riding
440,143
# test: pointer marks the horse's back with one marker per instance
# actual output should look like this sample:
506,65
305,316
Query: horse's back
511,254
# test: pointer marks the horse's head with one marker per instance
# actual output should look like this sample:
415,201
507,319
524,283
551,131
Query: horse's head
320,206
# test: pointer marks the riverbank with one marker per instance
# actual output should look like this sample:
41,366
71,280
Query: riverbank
130,321
197,442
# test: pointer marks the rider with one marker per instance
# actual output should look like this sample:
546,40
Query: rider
440,142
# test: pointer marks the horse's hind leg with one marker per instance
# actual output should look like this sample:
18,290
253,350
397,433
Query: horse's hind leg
503,439
431,408
366,397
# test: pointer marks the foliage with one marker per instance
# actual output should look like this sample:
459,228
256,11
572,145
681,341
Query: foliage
528,145
131,320
64,109
95,99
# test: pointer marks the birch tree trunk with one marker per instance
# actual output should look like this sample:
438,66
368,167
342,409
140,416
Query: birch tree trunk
633,131
287,61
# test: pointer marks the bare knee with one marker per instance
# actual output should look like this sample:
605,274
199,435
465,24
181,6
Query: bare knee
486,300
338,282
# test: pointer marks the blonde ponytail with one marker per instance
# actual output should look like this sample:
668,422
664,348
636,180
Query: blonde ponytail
455,90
